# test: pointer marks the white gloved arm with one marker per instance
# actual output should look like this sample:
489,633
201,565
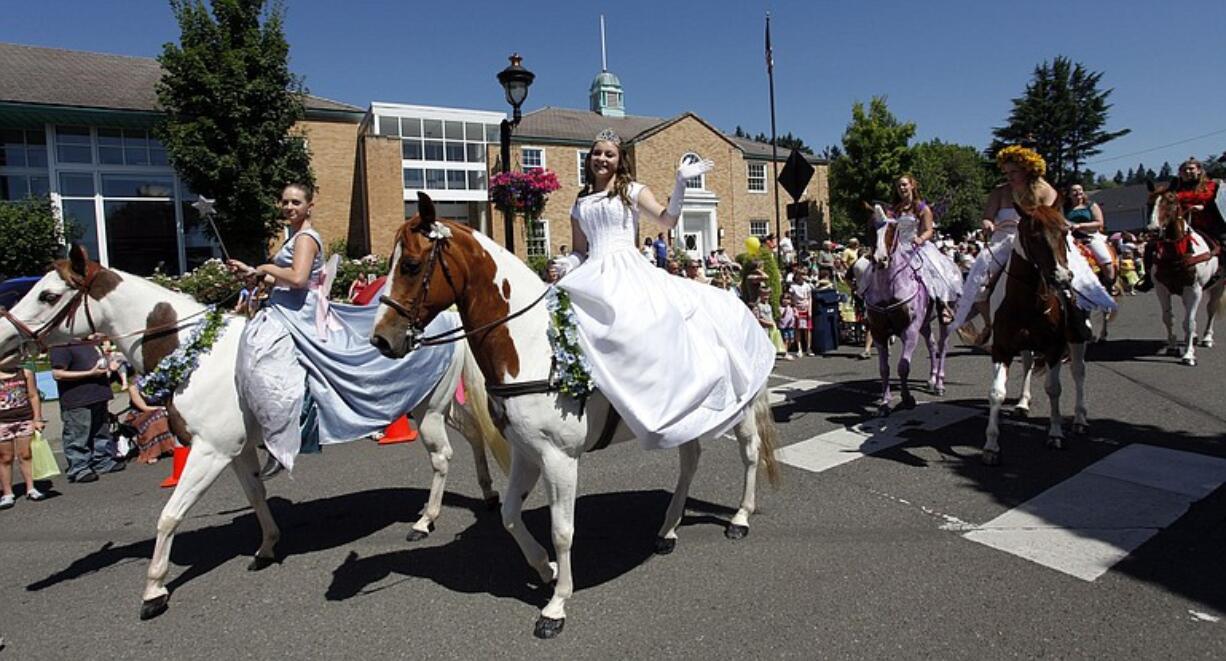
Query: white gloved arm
688,171
567,263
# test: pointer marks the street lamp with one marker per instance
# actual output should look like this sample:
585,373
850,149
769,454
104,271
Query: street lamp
515,81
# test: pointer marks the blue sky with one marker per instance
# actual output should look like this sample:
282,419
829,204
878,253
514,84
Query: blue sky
951,66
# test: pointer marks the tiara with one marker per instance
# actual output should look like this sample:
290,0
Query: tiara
609,135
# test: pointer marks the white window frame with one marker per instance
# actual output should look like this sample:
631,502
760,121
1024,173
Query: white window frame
530,240
700,180
750,178
766,224
523,153
581,154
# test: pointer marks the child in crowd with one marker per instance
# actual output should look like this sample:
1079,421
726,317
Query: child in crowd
787,325
21,414
766,318
1129,277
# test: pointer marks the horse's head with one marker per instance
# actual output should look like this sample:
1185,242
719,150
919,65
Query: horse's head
426,276
1041,238
57,307
1167,217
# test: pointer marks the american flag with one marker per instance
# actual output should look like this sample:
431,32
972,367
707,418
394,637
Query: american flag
770,58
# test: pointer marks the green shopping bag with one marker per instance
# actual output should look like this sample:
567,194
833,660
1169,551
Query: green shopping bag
43,460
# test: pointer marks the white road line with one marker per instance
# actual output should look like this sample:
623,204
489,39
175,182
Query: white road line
840,446
1089,522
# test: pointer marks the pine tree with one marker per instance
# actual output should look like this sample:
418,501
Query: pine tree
740,132
231,104
1165,172
1119,178
875,152
1062,112
1130,178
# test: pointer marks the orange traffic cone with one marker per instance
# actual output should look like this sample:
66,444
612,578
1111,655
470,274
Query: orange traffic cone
180,460
398,432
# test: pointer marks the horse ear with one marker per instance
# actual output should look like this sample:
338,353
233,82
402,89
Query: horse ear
425,209
78,257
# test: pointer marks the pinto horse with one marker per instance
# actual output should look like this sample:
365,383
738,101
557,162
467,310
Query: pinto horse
898,304
1183,266
1035,309
436,264
79,297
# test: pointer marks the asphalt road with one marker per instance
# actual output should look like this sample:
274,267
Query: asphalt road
866,559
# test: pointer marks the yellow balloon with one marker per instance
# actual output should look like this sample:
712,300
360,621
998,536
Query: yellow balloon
752,244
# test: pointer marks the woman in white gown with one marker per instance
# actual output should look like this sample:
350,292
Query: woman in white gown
915,230
679,360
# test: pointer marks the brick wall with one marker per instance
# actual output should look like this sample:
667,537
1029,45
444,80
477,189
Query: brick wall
333,147
384,190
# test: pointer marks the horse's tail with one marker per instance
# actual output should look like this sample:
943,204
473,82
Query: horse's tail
768,436
477,403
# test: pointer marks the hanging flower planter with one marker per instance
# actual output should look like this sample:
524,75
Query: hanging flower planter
523,192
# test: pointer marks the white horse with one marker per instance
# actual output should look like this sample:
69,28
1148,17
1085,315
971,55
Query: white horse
79,297
500,301
1184,275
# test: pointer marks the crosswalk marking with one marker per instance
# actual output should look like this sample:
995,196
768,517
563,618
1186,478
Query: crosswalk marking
840,446
1089,522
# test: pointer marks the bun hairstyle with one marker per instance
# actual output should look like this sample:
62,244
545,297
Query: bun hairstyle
308,190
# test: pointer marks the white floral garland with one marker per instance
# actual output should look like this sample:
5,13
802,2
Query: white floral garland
572,371
175,369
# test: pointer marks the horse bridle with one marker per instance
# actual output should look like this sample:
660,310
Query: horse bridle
39,336
414,333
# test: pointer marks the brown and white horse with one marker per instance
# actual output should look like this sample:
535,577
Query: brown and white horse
1184,264
436,264
1035,309
79,297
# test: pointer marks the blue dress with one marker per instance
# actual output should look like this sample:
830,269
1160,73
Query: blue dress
354,389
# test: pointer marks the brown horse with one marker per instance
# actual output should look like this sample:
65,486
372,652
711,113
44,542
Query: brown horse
1035,309
1184,264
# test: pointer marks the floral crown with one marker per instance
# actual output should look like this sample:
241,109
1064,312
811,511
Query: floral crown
609,135
1027,158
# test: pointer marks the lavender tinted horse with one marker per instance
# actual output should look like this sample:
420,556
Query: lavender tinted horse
899,305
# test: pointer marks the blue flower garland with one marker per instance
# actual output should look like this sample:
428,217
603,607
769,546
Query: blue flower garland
176,369
573,373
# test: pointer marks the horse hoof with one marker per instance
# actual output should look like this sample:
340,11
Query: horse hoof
1055,443
492,503
260,563
664,545
883,410
1190,362
151,608
908,403
547,627
1021,412
1081,429
416,535
1208,344
991,457
734,531
939,391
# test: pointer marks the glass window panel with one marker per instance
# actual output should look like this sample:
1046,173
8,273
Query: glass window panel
432,128
36,137
136,155
434,150
455,130
135,138
158,157
141,236
74,154
110,155
410,127
36,156
531,158
80,224
410,209
411,150
13,149
388,125
40,186
491,133
582,156
124,185
436,179
72,135
76,184
455,152
414,178
110,137
474,131
476,180
457,179
14,187
154,143
476,152
72,144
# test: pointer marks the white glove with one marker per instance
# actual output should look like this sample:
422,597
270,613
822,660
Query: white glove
567,263
879,217
687,171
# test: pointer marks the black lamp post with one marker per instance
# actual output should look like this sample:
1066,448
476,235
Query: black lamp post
515,81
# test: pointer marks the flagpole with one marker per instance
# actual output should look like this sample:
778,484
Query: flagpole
770,74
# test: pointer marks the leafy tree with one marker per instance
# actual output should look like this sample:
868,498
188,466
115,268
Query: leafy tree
952,179
31,236
831,152
874,153
1062,113
231,104
786,142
